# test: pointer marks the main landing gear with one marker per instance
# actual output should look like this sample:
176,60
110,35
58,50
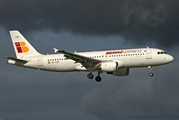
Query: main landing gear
90,75
150,71
98,78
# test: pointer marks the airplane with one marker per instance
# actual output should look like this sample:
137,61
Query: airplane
114,62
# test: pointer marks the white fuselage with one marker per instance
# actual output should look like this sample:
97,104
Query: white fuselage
115,62
132,58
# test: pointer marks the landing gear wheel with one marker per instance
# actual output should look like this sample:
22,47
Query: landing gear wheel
90,75
151,74
98,79
150,71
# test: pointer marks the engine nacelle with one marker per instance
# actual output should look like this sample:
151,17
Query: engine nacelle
109,66
120,72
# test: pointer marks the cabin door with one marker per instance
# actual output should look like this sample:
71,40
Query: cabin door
40,61
148,53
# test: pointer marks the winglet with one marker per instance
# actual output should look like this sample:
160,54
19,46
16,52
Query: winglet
55,50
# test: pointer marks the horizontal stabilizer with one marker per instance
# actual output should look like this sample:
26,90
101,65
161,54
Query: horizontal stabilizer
16,59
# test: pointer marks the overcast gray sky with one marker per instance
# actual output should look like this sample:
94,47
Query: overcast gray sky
84,25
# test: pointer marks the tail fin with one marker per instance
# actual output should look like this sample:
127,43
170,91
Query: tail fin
21,46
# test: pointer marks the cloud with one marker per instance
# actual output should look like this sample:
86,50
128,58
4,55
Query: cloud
138,98
31,94
137,21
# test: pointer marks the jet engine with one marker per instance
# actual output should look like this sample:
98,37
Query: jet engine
111,66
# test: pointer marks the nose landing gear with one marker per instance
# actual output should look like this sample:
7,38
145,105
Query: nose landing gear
150,71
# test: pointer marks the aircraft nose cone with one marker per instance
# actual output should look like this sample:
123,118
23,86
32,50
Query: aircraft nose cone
170,58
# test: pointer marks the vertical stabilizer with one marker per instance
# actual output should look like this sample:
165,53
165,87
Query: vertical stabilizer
21,46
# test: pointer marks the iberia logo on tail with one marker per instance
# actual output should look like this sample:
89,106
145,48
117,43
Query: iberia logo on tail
21,47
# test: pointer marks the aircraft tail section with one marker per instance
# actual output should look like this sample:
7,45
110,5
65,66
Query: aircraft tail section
21,46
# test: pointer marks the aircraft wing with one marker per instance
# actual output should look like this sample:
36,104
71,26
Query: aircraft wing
85,61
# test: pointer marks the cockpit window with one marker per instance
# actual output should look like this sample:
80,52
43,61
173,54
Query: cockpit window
161,52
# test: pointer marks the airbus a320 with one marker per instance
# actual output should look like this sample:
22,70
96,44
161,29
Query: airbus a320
114,62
